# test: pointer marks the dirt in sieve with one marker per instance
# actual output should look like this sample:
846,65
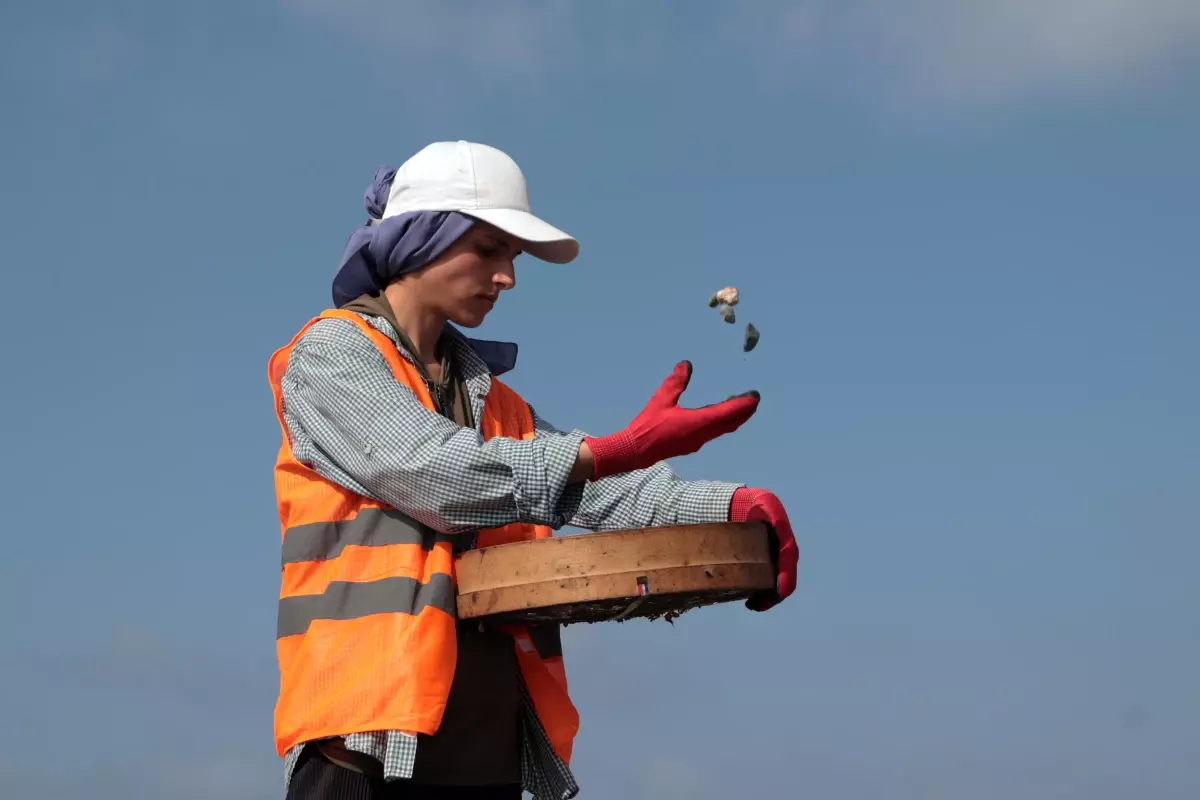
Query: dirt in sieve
663,606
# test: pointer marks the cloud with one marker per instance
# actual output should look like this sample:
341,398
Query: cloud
903,53
508,43
959,53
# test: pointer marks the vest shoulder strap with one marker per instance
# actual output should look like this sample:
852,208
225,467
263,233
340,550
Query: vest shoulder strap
403,371
506,413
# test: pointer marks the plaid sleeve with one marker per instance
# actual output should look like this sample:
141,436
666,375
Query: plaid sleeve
643,498
355,424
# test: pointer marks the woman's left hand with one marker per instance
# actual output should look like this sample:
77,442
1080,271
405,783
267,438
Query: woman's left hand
759,505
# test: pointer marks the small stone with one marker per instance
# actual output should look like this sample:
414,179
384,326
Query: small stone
728,296
728,315
713,301
751,338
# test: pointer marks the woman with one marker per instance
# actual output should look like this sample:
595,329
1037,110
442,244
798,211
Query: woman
401,446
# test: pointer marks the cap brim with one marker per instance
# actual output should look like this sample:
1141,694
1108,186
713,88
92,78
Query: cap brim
538,238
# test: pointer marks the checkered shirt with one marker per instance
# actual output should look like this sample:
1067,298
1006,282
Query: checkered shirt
350,420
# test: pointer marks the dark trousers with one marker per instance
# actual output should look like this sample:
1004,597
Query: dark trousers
316,778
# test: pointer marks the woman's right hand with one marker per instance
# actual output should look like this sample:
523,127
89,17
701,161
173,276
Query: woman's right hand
665,430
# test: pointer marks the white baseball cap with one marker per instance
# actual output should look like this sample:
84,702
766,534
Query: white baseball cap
481,182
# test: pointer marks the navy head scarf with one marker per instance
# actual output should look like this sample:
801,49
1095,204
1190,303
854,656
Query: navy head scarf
382,250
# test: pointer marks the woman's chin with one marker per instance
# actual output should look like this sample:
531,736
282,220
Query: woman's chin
468,319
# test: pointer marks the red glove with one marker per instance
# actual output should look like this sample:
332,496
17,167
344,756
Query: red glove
759,505
664,430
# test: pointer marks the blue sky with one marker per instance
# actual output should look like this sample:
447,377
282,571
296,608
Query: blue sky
967,236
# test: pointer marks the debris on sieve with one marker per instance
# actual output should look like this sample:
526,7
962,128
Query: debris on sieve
751,338
728,315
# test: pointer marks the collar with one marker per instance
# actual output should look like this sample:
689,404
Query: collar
500,357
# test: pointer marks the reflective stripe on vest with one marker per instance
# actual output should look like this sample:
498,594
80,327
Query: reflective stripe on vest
327,569
366,635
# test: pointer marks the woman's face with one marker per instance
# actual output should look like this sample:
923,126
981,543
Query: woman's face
464,283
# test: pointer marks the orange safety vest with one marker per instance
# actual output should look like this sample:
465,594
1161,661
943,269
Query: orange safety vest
366,636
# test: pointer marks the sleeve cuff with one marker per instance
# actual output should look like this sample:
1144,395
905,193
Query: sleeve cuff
542,495
705,501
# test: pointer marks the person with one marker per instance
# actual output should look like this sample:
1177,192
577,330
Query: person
401,447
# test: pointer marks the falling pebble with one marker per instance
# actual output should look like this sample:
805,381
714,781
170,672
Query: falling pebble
728,296
713,301
728,315
751,338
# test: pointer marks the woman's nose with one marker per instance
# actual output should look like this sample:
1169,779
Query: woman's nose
505,277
